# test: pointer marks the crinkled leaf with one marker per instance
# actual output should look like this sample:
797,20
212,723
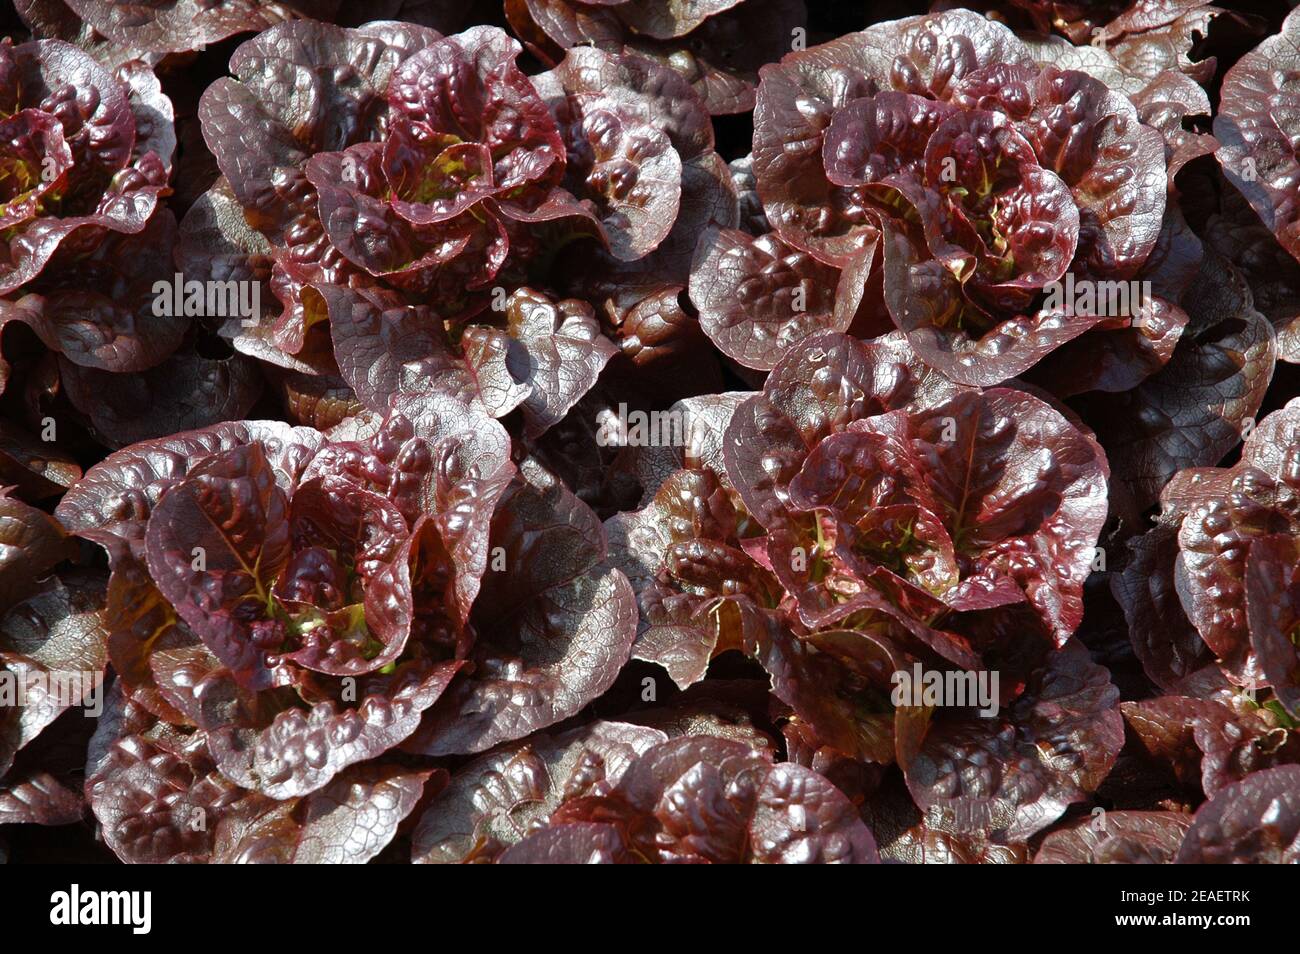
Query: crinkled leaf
757,297
385,346
111,505
928,305
583,843
301,750
566,352
1019,489
1225,510
1257,126
180,25
815,390
1015,773
349,821
705,799
261,135
1164,640
38,799
159,800
31,542
558,624
1126,838
683,558
1192,411
1256,821
215,544
797,99
109,186
498,798
102,312
192,390
1272,592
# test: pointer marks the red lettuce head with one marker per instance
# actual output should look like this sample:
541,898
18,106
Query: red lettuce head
1257,127
300,606
1237,528
87,243
421,180
984,178
861,515
716,46
176,26
282,612
379,172
86,153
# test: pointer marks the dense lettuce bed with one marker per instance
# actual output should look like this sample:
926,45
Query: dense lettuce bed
632,431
